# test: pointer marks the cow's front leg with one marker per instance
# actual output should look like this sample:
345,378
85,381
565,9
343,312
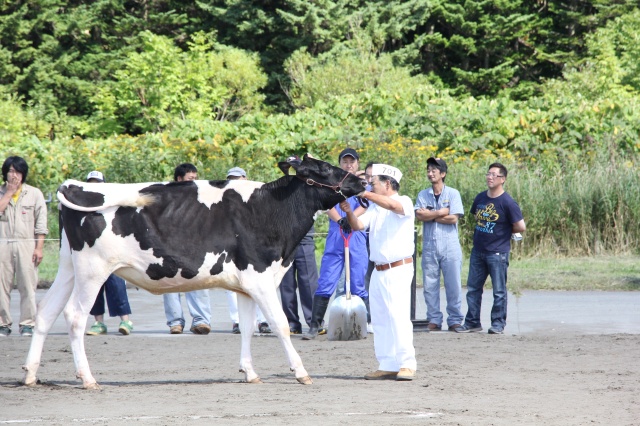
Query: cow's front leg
247,316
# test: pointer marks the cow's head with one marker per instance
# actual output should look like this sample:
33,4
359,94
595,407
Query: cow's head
324,175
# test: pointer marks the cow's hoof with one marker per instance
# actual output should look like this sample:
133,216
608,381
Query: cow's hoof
255,381
306,380
30,384
91,386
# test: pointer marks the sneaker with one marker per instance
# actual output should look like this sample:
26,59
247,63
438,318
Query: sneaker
236,328
468,329
176,329
201,329
457,328
264,328
294,330
381,375
97,328
26,330
405,375
434,327
5,331
126,327
496,330
322,331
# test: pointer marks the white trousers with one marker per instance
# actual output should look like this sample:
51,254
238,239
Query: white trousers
390,303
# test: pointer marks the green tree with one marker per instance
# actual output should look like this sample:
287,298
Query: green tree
162,83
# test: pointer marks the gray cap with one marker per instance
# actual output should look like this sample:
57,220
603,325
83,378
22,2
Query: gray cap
237,171
95,175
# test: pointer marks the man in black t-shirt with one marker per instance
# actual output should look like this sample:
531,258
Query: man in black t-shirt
497,216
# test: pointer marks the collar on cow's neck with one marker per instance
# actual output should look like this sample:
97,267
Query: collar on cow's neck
336,188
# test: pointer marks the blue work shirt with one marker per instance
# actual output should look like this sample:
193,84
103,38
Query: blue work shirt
449,198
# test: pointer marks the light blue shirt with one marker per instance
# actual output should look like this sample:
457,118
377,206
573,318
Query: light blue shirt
449,198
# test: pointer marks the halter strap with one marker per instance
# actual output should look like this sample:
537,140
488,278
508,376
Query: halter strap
336,188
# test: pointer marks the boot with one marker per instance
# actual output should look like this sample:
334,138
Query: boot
318,310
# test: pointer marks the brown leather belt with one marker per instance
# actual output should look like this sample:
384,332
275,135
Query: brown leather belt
400,262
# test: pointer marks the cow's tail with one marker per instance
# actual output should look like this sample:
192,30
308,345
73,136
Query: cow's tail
138,201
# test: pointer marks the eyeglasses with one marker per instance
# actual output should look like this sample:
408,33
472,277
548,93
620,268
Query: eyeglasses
493,175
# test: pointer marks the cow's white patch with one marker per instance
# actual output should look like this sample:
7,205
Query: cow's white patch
209,195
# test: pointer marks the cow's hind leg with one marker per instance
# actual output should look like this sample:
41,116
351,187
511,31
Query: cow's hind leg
272,310
247,316
49,309
76,313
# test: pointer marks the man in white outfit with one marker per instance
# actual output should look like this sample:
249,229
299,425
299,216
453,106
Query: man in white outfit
391,244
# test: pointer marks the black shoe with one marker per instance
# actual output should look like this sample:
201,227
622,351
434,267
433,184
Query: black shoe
236,328
264,328
294,330
496,330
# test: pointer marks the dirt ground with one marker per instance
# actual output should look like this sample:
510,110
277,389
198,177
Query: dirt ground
475,379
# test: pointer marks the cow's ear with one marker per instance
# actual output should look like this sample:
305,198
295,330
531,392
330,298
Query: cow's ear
284,166
294,161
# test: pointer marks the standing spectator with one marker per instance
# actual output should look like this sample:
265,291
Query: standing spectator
390,224
303,275
333,258
197,300
238,173
439,208
114,289
497,216
23,226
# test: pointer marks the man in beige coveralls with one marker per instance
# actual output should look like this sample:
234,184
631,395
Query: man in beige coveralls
23,226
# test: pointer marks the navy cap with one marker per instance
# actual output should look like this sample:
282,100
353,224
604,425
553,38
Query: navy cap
348,151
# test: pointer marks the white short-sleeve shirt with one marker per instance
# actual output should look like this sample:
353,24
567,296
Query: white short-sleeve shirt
390,234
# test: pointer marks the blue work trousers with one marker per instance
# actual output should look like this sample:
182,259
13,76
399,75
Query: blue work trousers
115,290
443,256
333,262
481,265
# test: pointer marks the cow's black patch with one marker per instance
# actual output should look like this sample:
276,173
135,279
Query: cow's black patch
218,266
80,232
219,183
82,197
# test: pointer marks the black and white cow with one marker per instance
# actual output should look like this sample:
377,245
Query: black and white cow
183,236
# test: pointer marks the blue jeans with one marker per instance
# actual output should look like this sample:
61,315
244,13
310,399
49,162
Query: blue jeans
481,265
115,290
198,303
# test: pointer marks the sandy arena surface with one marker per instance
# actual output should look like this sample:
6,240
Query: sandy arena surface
475,379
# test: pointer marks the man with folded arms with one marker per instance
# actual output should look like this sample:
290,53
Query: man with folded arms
390,222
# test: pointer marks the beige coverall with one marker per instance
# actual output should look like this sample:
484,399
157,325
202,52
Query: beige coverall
19,225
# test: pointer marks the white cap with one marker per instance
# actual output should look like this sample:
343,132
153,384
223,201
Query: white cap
386,170
237,171
95,175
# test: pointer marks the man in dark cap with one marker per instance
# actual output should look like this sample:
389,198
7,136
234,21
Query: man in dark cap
439,208
333,260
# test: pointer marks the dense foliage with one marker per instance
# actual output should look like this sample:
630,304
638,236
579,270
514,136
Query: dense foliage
133,88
